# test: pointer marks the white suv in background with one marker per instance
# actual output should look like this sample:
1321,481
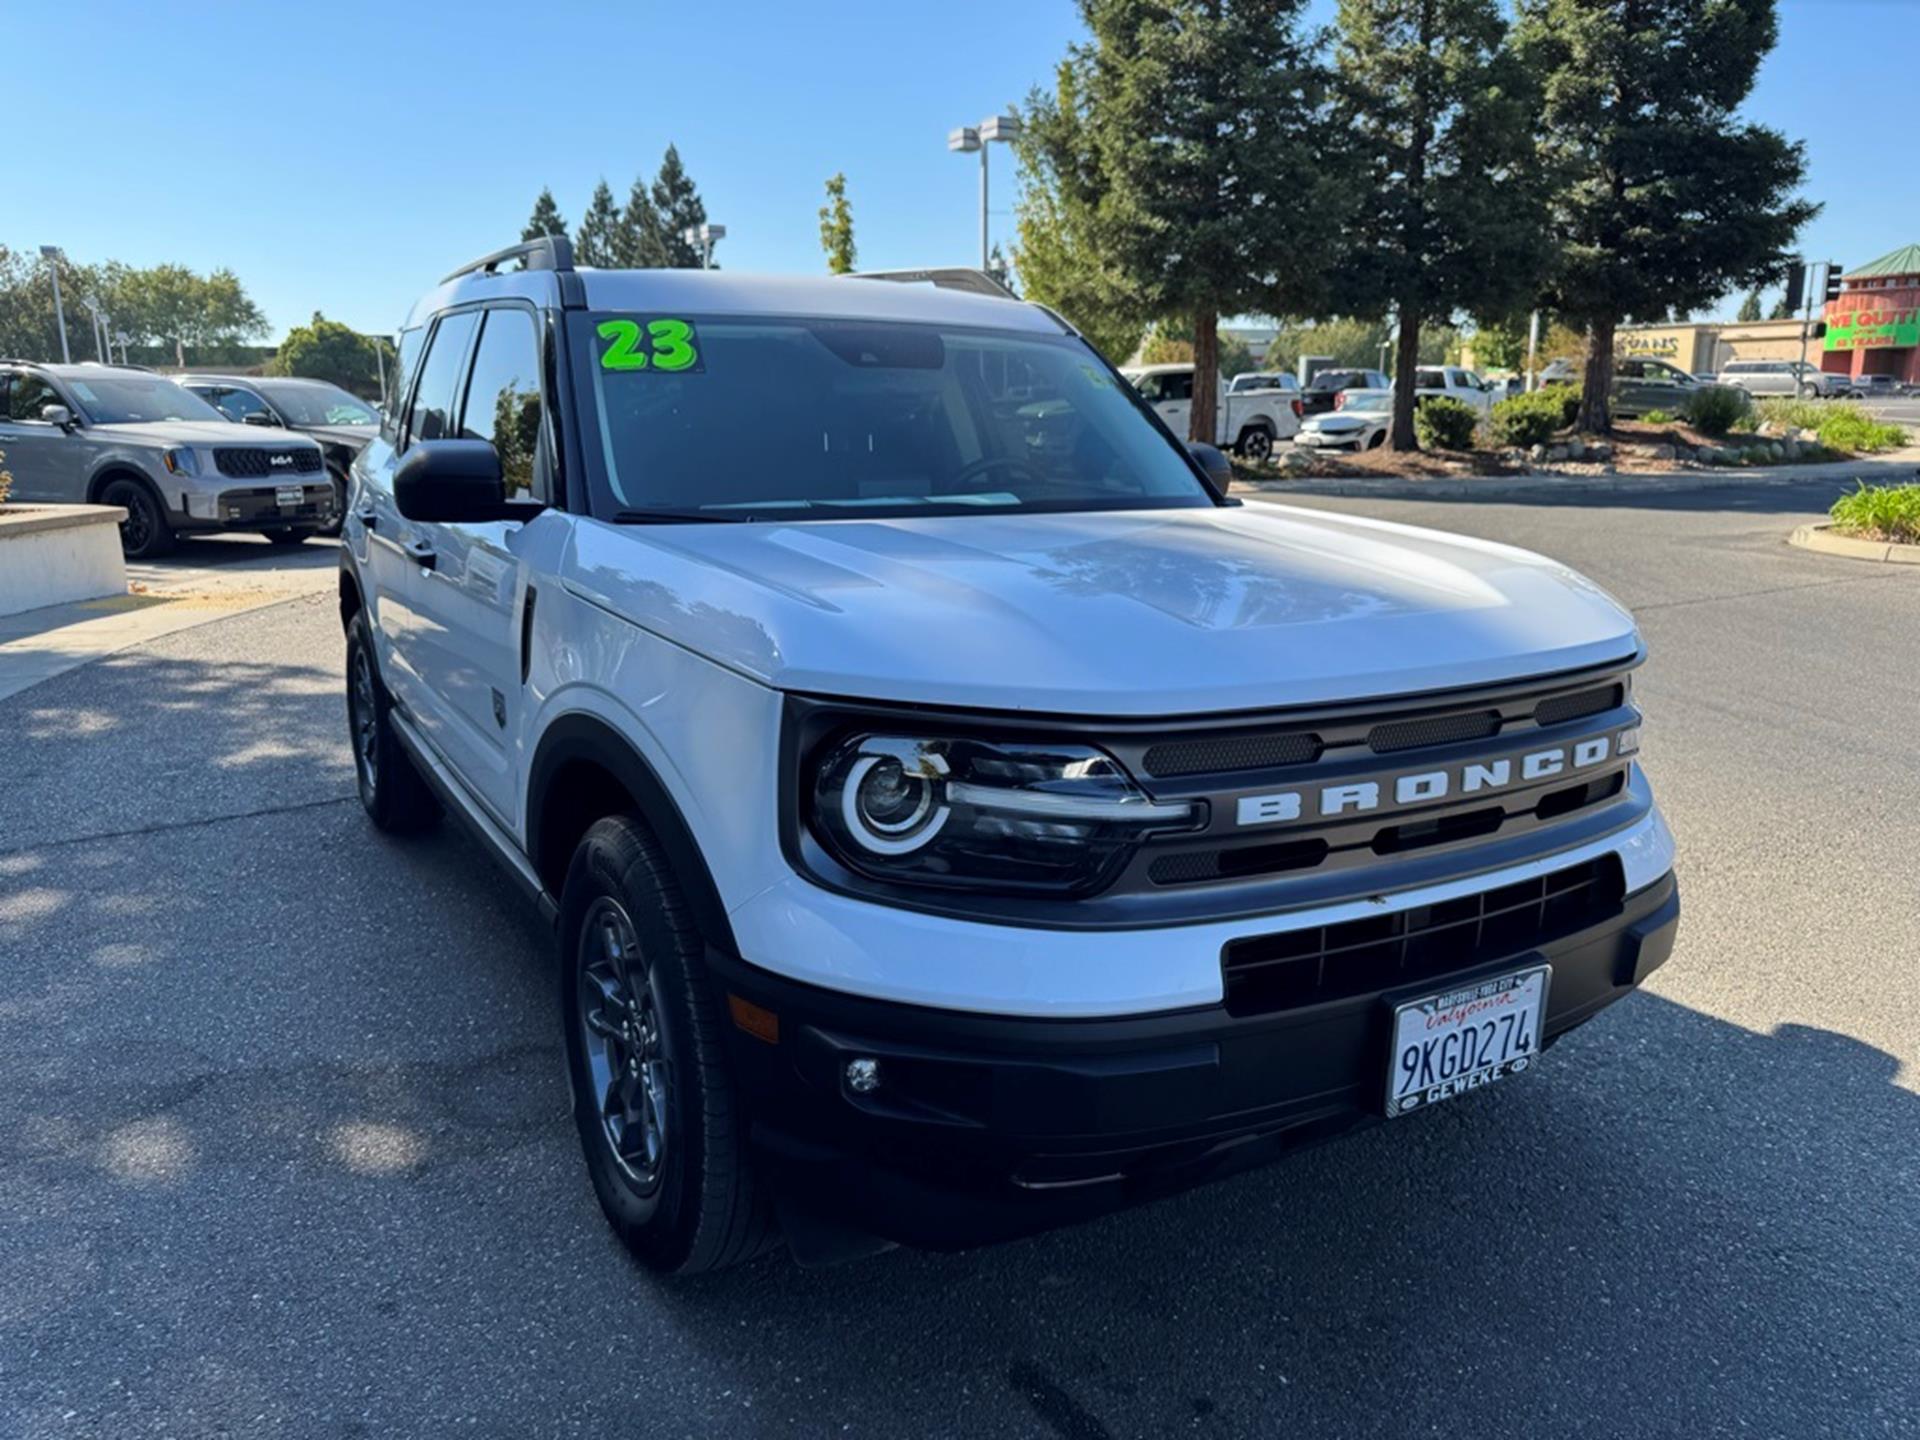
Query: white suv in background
1784,377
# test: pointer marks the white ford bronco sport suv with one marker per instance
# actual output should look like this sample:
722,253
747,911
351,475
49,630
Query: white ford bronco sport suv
955,814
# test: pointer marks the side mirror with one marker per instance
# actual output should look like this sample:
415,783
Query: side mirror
57,415
1213,461
453,481
260,417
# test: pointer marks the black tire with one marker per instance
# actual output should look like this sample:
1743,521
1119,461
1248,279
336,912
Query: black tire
1809,392
1379,439
332,529
1255,444
288,538
660,1120
144,534
394,796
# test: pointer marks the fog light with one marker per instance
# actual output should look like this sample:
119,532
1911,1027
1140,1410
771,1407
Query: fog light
863,1076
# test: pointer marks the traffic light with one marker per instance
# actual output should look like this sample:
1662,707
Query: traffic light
1796,287
1834,276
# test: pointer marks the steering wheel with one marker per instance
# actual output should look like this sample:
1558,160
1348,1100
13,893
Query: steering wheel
986,464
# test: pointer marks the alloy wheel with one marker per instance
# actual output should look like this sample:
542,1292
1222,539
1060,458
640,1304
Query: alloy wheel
628,1068
364,720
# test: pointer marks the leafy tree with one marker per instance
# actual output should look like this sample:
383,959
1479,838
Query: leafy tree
1500,343
1781,310
6,479
639,239
1750,307
546,218
836,227
1186,139
596,243
680,208
1663,198
1170,342
329,350
1058,264
1435,111
1000,269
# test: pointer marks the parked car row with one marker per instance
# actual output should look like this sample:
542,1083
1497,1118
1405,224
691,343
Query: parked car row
182,457
1251,419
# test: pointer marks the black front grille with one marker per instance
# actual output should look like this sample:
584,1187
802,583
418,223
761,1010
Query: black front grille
1561,708
1265,973
1221,753
252,463
1433,730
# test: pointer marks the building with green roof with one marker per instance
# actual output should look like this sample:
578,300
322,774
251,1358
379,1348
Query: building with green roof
1873,324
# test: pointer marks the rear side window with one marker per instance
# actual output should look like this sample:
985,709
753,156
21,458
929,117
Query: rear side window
431,417
503,398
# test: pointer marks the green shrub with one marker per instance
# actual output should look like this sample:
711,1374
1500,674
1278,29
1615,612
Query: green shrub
1850,428
1792,414
1657,417
1529,419
1443,423
1715,409
1880,512
6,480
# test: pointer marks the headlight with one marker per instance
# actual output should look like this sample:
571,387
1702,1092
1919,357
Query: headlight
181,462
955,811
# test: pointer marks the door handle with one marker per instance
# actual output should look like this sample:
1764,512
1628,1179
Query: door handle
368,517
421,553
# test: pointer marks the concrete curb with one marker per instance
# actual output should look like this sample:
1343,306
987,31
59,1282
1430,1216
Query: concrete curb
1499,487
1821,538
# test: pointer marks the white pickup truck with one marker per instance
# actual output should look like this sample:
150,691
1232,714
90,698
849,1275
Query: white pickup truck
1249,420
1430,381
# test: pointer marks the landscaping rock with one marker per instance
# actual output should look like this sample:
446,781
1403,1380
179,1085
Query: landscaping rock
1662,452
1600,450
1557,452
1576,449
1537,453
1776,452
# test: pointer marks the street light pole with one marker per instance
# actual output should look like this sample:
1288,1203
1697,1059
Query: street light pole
51,254
965,141
704,236
1533,348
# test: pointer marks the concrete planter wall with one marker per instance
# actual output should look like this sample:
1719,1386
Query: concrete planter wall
53,554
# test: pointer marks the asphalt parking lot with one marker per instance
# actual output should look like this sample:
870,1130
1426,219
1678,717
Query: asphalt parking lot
287,1147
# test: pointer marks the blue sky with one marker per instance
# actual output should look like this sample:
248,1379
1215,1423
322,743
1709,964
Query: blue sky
342,156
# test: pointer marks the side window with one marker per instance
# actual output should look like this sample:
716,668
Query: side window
503,398
28,395
236,405
1179,385
397,378
431,417
1429,380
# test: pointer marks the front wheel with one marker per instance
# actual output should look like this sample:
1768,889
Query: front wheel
394,796
1379,439
660,1123
1809,392
144,534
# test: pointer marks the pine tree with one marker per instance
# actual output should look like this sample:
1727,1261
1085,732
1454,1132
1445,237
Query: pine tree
680,210
1434,113
836,227
1781,309
639,238
545,220
1664,199
1187,137
595,244
1750,307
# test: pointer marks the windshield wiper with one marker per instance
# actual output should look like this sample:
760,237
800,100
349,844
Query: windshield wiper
675,517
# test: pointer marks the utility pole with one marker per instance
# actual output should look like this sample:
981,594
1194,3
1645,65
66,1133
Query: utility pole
51,254
1533,351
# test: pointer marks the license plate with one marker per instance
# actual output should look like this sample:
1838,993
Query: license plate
289,497
1465,1038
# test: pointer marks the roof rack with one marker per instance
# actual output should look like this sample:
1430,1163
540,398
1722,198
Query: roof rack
544,252
952,277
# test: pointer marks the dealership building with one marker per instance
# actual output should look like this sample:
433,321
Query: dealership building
1871,328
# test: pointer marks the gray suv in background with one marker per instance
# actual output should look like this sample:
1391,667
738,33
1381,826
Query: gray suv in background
341,422
110,435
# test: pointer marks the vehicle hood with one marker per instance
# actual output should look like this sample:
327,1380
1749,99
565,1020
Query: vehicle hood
1348,419
1165,612
354,437
193,432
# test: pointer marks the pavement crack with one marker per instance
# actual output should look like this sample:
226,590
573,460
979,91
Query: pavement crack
163,828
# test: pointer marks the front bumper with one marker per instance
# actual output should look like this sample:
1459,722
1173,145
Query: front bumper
986,1127
262,507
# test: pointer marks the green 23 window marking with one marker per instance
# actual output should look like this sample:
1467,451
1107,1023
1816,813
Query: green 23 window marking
664,344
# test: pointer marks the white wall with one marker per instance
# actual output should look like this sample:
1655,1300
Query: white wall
52,566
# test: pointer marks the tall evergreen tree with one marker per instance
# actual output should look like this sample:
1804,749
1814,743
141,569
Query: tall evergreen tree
639,238
1750,307
680,208
596,243
1187,136
1663,198
836,227
1781,309
1435,112
545,220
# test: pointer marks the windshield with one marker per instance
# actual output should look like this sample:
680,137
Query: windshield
131,399
740,418
318,405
